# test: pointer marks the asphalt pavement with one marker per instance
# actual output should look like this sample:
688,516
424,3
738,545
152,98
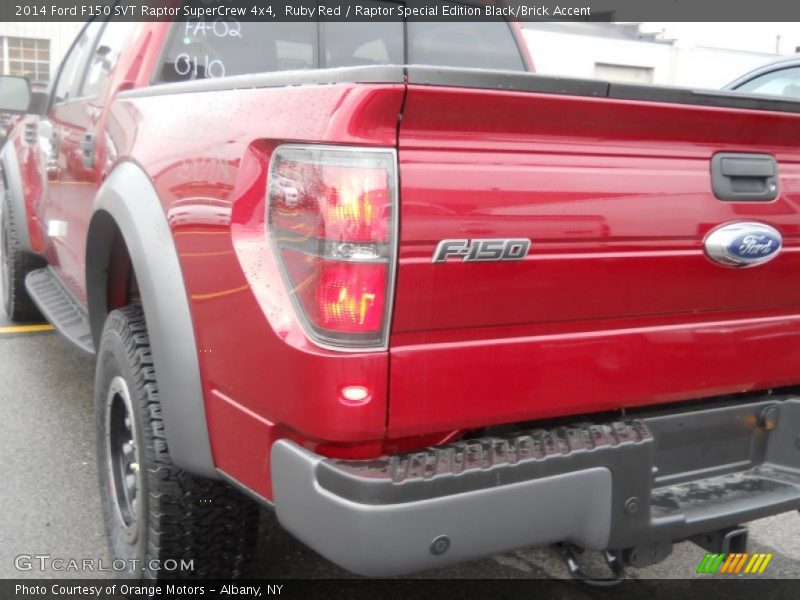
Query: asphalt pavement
49,501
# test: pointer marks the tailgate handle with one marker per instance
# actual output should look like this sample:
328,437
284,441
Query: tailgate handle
748,167
739,177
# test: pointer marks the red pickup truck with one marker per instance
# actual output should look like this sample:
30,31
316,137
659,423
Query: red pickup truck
424,303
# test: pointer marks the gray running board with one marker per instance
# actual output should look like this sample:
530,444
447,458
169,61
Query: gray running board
60,308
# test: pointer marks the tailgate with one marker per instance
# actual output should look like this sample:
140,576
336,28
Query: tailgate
616,304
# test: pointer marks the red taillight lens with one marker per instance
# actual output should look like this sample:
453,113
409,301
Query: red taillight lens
332,202
337,295
331,216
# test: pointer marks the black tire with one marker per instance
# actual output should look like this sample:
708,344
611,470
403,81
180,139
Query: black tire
16,264
168,514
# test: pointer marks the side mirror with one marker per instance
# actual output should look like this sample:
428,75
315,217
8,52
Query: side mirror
15,94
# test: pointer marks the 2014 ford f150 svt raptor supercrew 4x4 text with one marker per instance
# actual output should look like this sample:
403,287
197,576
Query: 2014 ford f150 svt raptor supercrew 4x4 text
426,304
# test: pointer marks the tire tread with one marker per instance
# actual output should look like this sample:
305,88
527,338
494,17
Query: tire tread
189,517
18,304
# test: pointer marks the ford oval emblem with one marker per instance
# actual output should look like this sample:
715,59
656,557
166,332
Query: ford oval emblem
743,244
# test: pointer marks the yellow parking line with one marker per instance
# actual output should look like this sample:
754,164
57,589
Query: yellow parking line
25,329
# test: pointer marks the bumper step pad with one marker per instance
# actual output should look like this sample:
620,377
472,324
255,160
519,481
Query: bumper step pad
705,499
488,453
486,462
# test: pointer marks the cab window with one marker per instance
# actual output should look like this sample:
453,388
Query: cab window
69,79
105,57
210,50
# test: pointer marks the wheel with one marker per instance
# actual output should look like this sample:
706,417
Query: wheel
156,513
16,264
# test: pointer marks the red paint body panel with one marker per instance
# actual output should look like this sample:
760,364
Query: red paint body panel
34,181
549,375
255,360
616,304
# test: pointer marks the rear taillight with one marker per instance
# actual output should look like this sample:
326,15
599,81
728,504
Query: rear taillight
332,217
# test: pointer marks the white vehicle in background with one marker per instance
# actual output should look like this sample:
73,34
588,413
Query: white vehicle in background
780,78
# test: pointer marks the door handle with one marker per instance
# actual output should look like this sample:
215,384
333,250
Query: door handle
741,177
87,149
49,140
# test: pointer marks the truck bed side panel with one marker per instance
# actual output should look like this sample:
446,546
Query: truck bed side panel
208,161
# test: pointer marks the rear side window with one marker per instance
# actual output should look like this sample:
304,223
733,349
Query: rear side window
209,50
362,44
464,45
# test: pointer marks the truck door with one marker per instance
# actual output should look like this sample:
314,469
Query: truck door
65,94
79,127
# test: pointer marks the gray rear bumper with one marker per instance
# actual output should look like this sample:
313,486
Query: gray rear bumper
661,478
390,539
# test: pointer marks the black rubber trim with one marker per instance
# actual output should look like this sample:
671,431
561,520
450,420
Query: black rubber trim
700,97
376,74
529,82
505,80
473,78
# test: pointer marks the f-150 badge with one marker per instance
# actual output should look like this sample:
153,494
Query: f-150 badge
482,250
743,244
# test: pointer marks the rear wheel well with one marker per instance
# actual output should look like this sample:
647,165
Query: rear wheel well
110,277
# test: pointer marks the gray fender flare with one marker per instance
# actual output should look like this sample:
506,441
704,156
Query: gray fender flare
128,202
12,177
